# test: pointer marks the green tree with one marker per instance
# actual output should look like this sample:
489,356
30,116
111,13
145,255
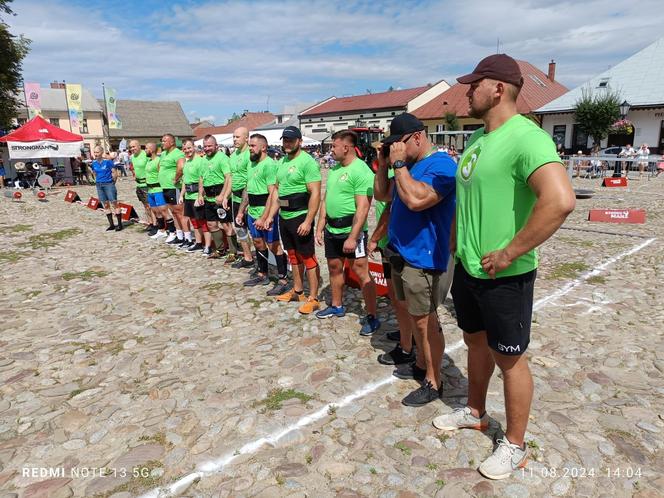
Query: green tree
452,124
13,50
596,112
234,117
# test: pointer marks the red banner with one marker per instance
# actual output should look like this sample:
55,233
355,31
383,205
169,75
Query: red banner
615,182
376,272
617,215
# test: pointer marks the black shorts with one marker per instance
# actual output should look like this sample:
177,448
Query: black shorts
211,213
192,211
334,246
142,194
387,266
304,246
503,307
171,195
236,208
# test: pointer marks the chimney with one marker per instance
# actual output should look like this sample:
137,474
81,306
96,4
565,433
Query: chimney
552,70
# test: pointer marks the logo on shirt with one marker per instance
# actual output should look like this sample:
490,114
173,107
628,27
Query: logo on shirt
343,177
468,162
291,169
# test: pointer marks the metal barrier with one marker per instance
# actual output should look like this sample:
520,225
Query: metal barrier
602,166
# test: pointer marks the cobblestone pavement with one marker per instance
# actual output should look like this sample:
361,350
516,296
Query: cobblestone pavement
119,352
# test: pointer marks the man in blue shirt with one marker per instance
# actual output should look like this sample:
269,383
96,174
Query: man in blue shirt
423,197
105,176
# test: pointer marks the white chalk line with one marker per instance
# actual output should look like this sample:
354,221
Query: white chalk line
215,466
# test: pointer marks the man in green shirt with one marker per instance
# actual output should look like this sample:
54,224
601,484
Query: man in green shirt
171,162
512,195
261,203
165,224
239,163
343,216
193,210
138,160
298,185
215,184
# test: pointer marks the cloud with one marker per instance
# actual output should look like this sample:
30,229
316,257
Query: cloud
221,57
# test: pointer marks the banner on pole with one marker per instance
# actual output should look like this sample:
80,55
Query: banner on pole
33,99
114,122
75,104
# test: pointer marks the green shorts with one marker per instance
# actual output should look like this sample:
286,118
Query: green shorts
421,289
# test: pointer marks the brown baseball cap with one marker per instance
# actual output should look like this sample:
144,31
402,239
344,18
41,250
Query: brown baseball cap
499,67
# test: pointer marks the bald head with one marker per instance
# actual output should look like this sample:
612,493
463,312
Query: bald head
150,148
240,137
134,147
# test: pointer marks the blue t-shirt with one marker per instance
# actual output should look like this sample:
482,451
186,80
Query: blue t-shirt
422,237
103,170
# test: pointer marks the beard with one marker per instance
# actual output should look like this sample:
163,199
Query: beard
294,150
254,157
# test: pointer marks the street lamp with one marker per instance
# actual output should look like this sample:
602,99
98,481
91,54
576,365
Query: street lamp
617,169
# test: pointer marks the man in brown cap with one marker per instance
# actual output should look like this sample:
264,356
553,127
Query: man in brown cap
512,194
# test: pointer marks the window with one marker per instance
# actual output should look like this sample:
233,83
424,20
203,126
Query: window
21,121
661,138
603,83
54,121
559,134
374,114
579,139
471,127
84,126
319,130
394,113
440,127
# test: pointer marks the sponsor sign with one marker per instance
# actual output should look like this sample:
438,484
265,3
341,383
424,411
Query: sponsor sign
33,98
617,215
376,272
43,148
615,182
75,103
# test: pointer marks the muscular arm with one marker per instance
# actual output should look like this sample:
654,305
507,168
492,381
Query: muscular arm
416,195
314,201
382,184
272,204
178,171
381,226
362,203
555,201
321,214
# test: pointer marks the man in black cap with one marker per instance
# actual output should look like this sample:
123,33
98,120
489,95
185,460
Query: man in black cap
418,233
298,186
512,194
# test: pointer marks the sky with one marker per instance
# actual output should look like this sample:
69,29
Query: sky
221,57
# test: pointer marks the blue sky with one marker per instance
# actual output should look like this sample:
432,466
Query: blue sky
221,57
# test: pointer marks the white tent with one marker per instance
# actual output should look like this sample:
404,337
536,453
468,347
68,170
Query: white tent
274,137
224,139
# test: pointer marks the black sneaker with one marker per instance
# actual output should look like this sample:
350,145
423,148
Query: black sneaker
424,394
279,289
152,231
149,228
195,247
207,251
111,228
118,228
410,371
243,263
257,280
395,335
397,356
175,242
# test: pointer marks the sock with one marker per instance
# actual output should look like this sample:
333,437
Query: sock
232,244
217,238
119,217
179,234
262,261
109,216
161,223
282,265
298,292
170,224
187,236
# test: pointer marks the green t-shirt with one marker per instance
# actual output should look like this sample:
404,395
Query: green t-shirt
259,177
494,200
380,208
343,184
293,176
168,164
152,174
239,162
192,171
139,162
215,171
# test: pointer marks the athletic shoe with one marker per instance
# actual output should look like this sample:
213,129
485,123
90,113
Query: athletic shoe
371,324
397,356
242,263
175,242
424,394
171,237
111,228
159,234
331,311
151,231
185,244
118,228
257,280
461,418
506,458
207,251
290,296
230,259
214,255
279,289
395,335
195,247
310,305
254,272
148,228
410,371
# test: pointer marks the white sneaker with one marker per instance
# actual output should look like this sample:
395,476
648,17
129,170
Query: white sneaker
171,236
506,458
461,418
159,234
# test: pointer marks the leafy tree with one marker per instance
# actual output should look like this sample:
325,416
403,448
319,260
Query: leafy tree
13,50
452,124
596,112
234,117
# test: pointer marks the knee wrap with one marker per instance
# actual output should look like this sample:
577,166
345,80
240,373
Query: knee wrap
195,223
292,257
310,262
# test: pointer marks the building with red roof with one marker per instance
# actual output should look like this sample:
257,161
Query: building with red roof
250,120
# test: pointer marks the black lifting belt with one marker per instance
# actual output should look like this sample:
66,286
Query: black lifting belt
140,180
213,190
191,188
343,222
154,185
294,202
258,200
238,193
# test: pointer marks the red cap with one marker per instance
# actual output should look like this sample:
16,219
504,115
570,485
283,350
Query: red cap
499,67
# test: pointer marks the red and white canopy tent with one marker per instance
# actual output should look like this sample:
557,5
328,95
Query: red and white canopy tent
40,139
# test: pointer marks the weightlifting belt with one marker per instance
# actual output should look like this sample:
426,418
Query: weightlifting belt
191,188
294,202
343,222
213,190
258,200
154,185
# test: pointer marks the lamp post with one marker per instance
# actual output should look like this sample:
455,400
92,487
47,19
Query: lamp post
617,169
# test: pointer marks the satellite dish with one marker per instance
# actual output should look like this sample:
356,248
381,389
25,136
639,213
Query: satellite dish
45,181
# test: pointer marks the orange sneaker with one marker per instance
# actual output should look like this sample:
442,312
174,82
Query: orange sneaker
309,306
291,296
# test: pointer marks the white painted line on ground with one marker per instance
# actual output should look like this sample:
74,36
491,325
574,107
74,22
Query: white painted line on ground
216,466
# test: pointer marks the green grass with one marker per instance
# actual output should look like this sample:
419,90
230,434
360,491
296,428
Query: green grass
596,279
45,240
373,471
403,448
11,256
83,275
159,438
440,483
15,229
213,286
31,294
140,479
432,466
276,397
568,271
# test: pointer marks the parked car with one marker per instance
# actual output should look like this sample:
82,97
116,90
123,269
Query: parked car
610,151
